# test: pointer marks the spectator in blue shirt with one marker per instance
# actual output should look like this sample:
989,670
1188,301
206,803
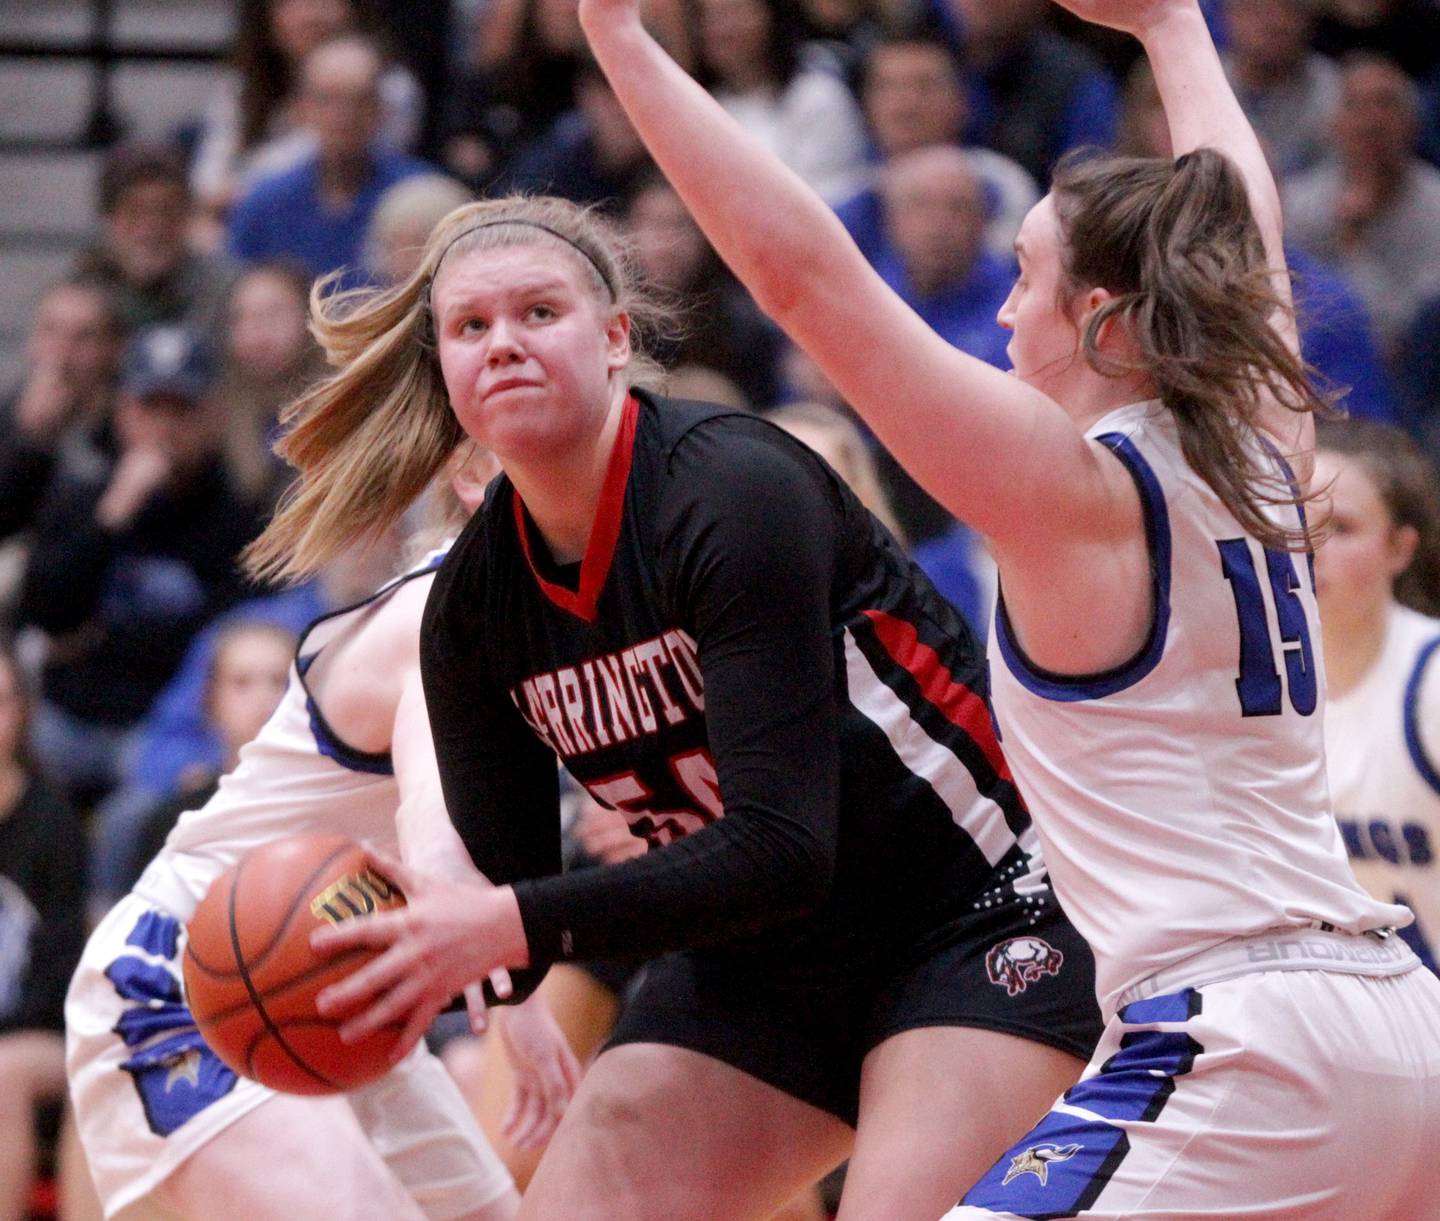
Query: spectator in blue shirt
317,212
934,255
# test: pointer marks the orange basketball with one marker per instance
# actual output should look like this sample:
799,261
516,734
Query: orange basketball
251,977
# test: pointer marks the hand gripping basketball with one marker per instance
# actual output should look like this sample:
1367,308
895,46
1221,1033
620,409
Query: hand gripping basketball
449,934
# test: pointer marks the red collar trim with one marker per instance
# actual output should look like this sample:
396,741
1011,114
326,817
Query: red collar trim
604,532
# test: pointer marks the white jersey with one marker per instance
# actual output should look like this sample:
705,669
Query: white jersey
1181,799
1383,744
297,777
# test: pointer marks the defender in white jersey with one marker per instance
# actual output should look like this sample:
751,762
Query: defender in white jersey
1273,1049
1376,572
165,1126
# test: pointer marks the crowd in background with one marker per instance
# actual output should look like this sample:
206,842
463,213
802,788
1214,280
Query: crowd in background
135,455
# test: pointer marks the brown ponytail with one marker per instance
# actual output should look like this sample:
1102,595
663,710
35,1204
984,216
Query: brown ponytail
1177,245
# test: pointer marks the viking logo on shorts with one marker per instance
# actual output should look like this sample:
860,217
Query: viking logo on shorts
1021,961
1036,1160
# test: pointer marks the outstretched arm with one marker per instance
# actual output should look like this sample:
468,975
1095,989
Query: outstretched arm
1203,112
998,454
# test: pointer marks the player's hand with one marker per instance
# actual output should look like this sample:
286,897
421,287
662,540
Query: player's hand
448,935
47,403
606,836
1128,16
461,869
608,12
546,1072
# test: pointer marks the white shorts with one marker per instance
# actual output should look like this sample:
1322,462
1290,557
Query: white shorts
148,1092
1290,1093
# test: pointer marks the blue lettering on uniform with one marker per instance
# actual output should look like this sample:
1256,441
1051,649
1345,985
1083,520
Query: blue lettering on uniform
1417,843
1405,843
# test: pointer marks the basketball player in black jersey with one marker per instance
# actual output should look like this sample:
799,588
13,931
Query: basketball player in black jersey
859,952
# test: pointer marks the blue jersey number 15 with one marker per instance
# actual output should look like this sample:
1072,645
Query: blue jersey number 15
1259,682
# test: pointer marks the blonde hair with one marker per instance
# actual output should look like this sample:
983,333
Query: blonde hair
859,470
366,440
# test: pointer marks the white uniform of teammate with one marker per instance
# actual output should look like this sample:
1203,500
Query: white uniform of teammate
1263,1027
147,1090
1383,745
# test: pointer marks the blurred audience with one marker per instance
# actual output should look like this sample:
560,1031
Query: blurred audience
723,329
132,552
144,254
1404,31
913,95
176,747
72,357
1374,209
590,154
1337,334
934,254
787,92
251,126
248,674
317,212
402,221
1034,95
1418,369
1289,92
42,931
269,358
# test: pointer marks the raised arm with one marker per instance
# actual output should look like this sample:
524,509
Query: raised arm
1203,112
997,453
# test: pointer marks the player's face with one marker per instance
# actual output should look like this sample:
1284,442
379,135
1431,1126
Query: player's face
1356,565
527,350
250,677
1045,340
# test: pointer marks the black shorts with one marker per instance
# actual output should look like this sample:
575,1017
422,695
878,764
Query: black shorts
1014,966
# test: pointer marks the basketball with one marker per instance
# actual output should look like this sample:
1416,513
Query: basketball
251,977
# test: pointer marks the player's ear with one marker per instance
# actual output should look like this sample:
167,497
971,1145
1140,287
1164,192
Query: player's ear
617,341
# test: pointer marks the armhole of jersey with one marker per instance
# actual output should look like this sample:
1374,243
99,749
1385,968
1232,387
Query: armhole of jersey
1413,743
327,741
1067,688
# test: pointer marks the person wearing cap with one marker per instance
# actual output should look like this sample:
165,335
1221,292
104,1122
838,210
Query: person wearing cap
132,554
144,252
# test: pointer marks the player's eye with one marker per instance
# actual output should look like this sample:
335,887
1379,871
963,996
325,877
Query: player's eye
471,326
543,313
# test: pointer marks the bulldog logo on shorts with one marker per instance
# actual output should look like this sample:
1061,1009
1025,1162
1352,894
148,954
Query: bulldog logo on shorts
1021,961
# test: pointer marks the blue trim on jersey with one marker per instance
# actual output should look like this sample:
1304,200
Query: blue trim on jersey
327,741
1074,688
1422,763
329,744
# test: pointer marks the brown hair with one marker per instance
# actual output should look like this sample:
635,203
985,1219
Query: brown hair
1406,481
367,439
1177,245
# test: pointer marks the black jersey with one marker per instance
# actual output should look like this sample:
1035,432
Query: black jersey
747,665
